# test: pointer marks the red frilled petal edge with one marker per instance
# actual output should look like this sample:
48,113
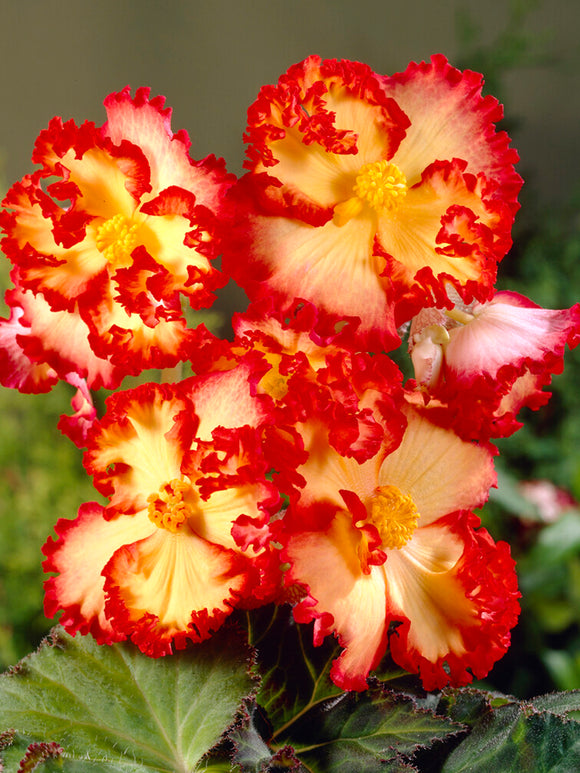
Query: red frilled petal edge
462,236
77,426
308,376
445,105
60,339
165,591
139,347
486,571
298,100
18,371
146,122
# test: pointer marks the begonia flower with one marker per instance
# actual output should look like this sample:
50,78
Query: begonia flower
301,364
388,554
118,225
367,194
476,366
184,537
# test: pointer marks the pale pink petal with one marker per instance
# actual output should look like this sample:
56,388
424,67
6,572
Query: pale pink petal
509,330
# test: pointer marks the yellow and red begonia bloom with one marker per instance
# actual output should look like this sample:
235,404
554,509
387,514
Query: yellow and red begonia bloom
302,365
184,537
367,193
117,226
388,554
476,366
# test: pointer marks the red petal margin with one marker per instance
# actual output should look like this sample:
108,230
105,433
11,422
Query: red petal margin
298,102
17,370
146,122
487,572
74,590
143,626
473,118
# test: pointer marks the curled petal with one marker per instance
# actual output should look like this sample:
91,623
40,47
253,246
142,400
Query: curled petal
166,590
455,591
78,586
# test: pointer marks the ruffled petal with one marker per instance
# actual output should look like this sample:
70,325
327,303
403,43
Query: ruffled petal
446,232
510,331
146,122
168,589
132,451
78,587
332,267
17,370
455,592
441,472
449,119
319,124
341,598
60,339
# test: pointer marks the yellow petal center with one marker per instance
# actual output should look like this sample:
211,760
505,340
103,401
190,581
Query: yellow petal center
395,516
168,509
380,185
116,239
273,383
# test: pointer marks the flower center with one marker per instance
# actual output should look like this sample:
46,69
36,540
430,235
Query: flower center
168,508
380,185
273,383
395,516
116,239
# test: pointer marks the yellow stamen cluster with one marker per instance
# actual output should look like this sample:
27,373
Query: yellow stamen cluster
381,184
168,508
116,239
273,383
395,516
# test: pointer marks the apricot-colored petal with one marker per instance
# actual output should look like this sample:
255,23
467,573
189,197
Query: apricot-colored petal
438,470
168,589
83,548
341,598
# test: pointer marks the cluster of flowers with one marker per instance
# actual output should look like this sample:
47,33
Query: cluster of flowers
296,465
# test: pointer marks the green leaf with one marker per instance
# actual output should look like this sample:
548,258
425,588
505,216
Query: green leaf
465,705
561,703
351,732
114,709
359,731
295,673
302,721
515,737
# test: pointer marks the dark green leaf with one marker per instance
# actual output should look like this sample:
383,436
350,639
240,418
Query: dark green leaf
558,702
361,731
515,738
114,709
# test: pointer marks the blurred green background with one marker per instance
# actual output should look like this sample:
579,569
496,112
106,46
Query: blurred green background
209,59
